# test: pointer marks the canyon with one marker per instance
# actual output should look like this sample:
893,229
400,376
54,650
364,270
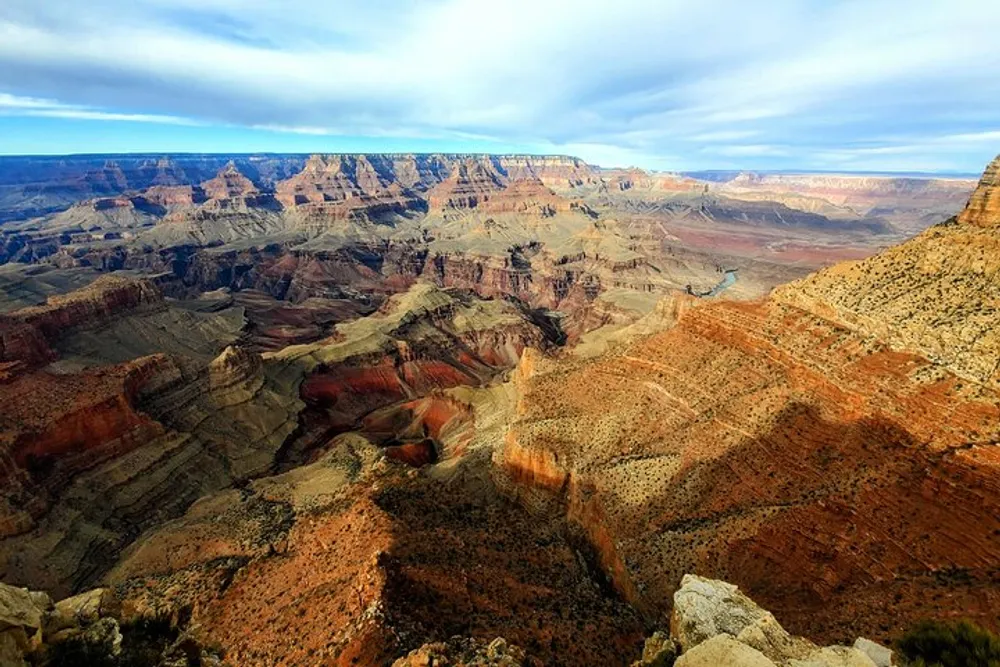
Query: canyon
373,409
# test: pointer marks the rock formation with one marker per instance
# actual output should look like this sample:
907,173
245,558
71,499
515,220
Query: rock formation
936,295
428,408
229,183
465,652
714,625
471,183
984,207
793,436
86,629
26,335
153,434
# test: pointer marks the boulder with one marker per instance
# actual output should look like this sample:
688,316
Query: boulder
21,615
880,655
704,608
767,636
80,610
834,656
723,651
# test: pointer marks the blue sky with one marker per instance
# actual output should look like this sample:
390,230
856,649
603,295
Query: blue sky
882,85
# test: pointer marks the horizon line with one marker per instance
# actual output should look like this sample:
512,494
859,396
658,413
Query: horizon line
788,171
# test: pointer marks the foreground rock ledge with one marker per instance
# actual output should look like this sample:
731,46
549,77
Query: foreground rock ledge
713,624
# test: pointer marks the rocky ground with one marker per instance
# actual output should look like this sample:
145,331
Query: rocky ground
443,410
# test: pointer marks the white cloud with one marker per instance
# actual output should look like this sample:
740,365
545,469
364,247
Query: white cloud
644,79
722,135
41,108
742,150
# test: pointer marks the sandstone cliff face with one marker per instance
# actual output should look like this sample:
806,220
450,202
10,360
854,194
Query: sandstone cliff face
471,183
983,209
21,345
354,559
498,185
829,434
554,171
27,334
229,183
339,187
82,421
101,300
937,295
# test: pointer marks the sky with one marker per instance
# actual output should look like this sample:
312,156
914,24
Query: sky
838,85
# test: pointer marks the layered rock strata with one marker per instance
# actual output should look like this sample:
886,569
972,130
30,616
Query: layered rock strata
829,433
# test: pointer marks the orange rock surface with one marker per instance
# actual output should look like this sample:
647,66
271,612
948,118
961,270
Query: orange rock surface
229,183
25,334
340,186
365,569
984,207
821,462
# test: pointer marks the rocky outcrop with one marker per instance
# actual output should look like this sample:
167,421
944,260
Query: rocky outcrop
983,209
88,629
713,623
935,295
22,613
723,651
230,183
841,433
27,335
466,652
234,366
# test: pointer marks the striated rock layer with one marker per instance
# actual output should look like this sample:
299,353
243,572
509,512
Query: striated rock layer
937,295
116,449
27,334
984,207
854,453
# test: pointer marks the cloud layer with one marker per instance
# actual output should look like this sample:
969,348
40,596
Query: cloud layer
851,84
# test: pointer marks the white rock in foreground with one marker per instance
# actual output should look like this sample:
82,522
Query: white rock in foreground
714,623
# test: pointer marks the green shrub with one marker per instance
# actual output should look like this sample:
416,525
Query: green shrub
949,644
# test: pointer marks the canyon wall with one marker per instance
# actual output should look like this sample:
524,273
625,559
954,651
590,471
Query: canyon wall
842,433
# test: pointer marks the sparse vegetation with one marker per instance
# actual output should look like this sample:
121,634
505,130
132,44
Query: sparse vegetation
949,644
